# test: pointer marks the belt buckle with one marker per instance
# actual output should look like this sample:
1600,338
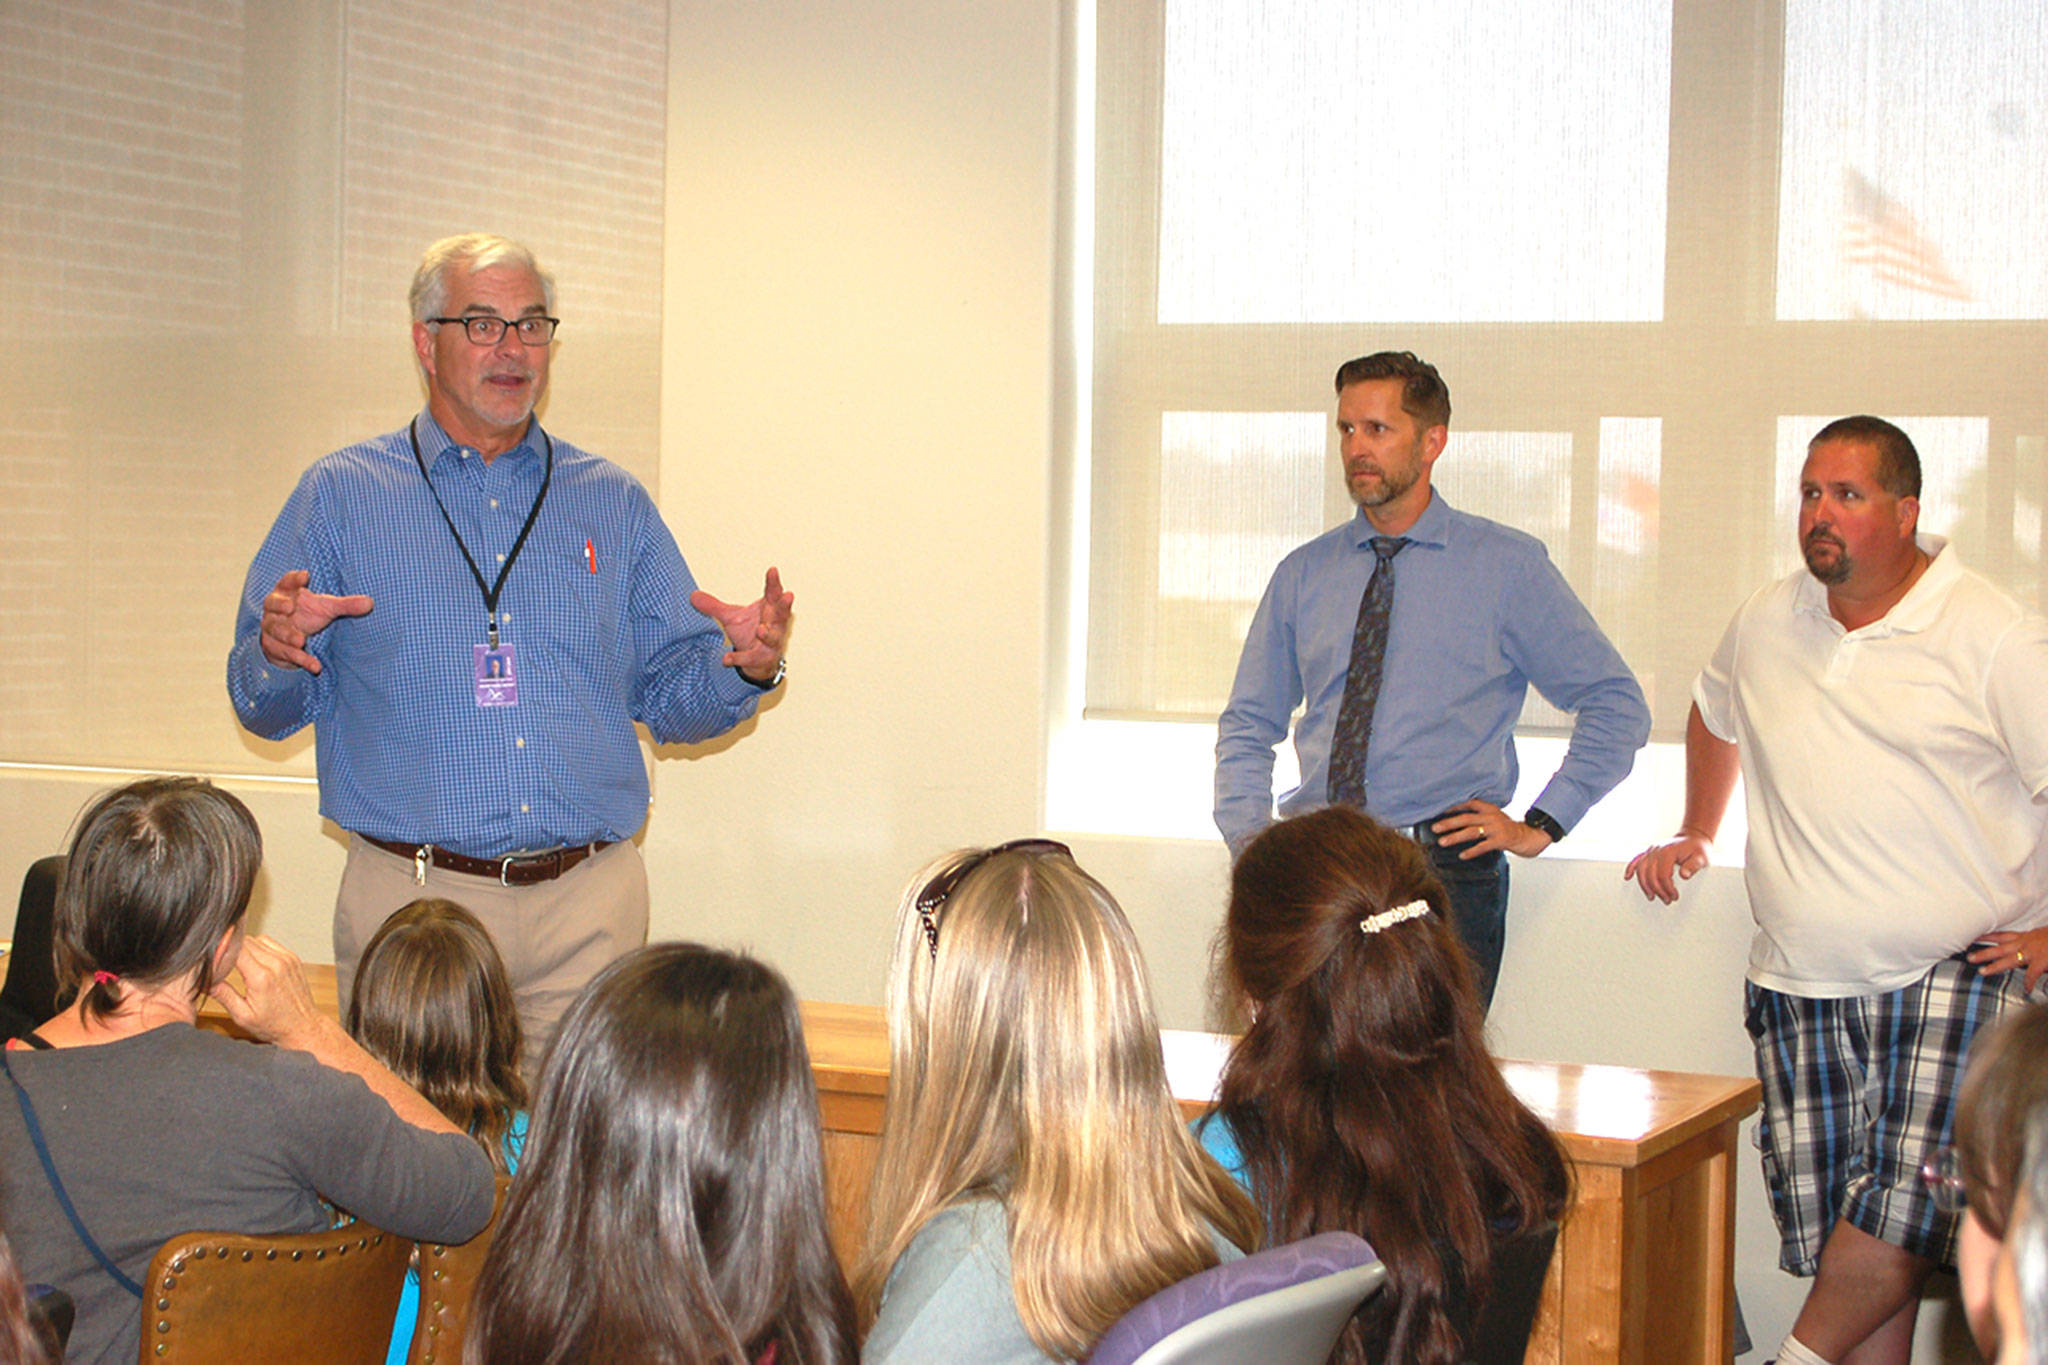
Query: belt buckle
528,860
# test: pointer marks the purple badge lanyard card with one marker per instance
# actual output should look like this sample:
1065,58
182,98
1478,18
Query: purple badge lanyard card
497,681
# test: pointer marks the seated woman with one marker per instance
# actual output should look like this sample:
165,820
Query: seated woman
671,1202
432,1001
1034,1180
1362,1097
2007,1081
152,1126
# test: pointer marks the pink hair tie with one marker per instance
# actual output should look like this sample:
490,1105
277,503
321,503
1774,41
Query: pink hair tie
104,978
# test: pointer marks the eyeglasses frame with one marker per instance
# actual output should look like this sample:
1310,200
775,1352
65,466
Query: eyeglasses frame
469,322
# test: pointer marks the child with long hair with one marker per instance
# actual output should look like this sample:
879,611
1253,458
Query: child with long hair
1035,1180
671,1206
2006,1082
433,1002
1362,1097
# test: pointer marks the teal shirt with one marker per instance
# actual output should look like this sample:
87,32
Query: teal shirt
1217,1139
409,1299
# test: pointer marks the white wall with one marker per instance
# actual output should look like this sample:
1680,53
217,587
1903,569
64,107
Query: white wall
859,388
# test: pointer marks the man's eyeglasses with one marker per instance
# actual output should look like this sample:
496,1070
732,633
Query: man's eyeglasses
932,899
486,330
1943,1176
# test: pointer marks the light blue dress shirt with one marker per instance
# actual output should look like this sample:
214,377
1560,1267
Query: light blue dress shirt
1480,614
596,609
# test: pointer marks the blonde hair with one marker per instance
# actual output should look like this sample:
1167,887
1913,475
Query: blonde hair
1025,1066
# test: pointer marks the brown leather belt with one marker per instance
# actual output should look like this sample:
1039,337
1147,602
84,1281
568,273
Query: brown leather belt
521,869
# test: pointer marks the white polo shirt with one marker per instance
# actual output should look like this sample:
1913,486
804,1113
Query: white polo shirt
1894,776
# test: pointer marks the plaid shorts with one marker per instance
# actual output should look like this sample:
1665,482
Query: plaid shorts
1858,1093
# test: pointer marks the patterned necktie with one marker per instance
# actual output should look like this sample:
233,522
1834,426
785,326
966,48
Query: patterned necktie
1362,679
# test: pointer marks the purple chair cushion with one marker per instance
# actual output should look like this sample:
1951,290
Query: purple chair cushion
1175,1306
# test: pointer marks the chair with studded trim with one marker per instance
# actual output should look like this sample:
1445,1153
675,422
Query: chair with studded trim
316,1298
447,1280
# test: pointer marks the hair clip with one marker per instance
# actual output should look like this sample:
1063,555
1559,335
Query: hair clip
1387,919
104,978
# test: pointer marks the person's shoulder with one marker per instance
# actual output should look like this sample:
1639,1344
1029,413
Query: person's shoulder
364,465
585,475
577,462
238,1076
1779,598
1317,550
1968,592
372,454
1468,532
970,1239
949,1294
969,1225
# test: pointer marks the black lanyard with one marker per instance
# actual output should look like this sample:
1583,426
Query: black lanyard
492,590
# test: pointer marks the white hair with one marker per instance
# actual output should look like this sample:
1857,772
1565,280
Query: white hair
474,251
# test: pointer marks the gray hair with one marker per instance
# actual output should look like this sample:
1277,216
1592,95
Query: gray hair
159,872
474,251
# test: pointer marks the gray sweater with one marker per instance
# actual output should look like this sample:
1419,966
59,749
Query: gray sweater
949,1298
179,1130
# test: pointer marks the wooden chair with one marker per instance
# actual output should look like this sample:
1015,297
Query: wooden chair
447,1280
316,1298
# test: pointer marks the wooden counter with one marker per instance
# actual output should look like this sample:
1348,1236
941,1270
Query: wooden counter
1645,1263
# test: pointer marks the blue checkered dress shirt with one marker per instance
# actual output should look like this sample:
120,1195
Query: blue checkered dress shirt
404,751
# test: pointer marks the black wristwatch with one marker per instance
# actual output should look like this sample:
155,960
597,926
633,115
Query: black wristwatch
1540,819
781,672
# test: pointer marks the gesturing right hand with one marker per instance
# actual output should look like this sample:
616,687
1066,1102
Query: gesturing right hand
293,614
1659,868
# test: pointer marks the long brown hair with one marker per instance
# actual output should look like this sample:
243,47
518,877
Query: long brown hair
670,1206
1025,1066
2006,1081
432,1001
1362,1096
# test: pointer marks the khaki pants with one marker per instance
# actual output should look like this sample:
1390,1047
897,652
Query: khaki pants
554,936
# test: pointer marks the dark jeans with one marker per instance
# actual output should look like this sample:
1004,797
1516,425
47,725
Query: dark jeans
1478,889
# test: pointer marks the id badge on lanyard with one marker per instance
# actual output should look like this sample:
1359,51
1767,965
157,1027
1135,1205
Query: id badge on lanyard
497,680
496,671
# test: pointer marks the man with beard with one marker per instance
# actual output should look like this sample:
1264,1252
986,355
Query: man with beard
1413,633
473,615
1886,712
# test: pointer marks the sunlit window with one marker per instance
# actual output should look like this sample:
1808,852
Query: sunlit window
1419,162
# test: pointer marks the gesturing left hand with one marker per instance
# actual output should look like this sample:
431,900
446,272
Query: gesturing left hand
758,632
1477,827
